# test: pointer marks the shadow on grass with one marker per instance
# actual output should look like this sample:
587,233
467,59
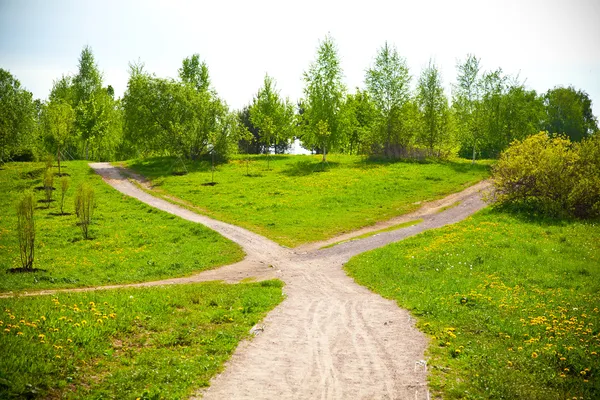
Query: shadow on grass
532,212
162,167
307,167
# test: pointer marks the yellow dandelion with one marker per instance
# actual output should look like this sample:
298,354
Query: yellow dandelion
566,369
57,356
43,318
593,353
583,372
562,375
69,341
12,317
534,355
510,364
100,321
19,333
563,359
83,322
41,336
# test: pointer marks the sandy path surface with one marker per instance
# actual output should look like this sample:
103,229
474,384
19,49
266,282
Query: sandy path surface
330,338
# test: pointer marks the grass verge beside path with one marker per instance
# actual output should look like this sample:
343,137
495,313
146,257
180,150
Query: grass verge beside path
294,202
130,241
150,343
511,304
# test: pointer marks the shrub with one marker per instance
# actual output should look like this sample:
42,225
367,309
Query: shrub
48,186
84,207
49,160
26,230
64,186
584,199
557,176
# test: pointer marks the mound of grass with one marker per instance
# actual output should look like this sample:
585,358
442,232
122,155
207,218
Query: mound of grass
129,241
511,304
295,202
146,343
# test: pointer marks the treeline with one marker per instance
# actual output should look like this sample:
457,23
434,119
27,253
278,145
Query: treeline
185,117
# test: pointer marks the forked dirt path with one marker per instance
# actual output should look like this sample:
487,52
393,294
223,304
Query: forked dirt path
330,338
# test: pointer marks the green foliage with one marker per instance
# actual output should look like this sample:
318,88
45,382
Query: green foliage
324,93
123,249
85,203
491,110
358,119
569,112
48,186
272,117
163,342
64,186
388,85
181,118
16,116
433,105
58,118
510,304
551,173
195,73
295,203
26,230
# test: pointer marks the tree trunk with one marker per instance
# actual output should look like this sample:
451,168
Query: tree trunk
473,155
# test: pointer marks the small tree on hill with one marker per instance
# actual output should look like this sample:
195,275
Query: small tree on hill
64,186
84,207
26,230
48,186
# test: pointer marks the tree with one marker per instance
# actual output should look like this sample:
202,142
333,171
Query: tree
17,118
388,85
466,96
357,118
58,118
88,79
569,111
272,116
324,93
26,230
433,105
164,115
195,73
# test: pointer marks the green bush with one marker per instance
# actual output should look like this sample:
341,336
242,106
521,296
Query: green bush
556,176
84,207
64,186
48,186
26,230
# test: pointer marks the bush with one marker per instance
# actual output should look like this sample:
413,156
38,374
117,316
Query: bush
84,207
26,230
558,177
48,186
64,186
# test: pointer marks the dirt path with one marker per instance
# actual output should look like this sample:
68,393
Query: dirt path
330,338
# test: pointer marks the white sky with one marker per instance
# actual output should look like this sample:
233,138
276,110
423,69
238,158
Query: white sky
547,42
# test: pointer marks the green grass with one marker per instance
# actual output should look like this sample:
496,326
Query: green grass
511,304
130,241
149,343
368,234
294,202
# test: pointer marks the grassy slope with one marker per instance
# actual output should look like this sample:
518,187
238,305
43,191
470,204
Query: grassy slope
295,203
147,343
511,303
131,242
